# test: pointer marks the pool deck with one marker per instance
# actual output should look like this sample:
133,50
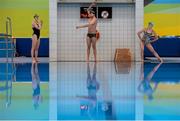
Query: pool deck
46,60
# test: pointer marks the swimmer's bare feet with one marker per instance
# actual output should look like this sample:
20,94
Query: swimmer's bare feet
87,60
33,60
161,60
37,60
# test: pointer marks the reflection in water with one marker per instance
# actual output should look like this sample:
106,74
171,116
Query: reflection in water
145,86
92,84
122,67
89,103
92,106
102,92
37,98
21,92
7,77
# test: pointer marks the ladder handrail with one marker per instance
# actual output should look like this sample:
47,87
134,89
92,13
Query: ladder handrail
8,26
9,32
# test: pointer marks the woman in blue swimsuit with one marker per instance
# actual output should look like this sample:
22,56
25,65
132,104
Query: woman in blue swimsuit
149,36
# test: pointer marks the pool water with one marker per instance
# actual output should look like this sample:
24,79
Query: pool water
94,91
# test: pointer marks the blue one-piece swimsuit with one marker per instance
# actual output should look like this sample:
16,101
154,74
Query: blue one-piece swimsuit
147,38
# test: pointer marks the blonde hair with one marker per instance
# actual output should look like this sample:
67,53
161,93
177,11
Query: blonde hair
151,23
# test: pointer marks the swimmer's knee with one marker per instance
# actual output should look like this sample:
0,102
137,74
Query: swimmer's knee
94,46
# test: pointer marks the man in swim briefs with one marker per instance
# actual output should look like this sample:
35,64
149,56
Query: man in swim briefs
91,35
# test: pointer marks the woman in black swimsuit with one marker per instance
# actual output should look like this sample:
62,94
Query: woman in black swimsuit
36,26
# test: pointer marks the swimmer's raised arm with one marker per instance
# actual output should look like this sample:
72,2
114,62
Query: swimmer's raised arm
93,4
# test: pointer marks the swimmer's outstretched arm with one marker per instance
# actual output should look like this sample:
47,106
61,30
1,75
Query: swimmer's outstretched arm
86,25
82,26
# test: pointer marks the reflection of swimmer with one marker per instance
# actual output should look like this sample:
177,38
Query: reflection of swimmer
89,103
92,84
37,98
145,85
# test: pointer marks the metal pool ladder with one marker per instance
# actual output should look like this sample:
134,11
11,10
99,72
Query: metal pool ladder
7,69
7,47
